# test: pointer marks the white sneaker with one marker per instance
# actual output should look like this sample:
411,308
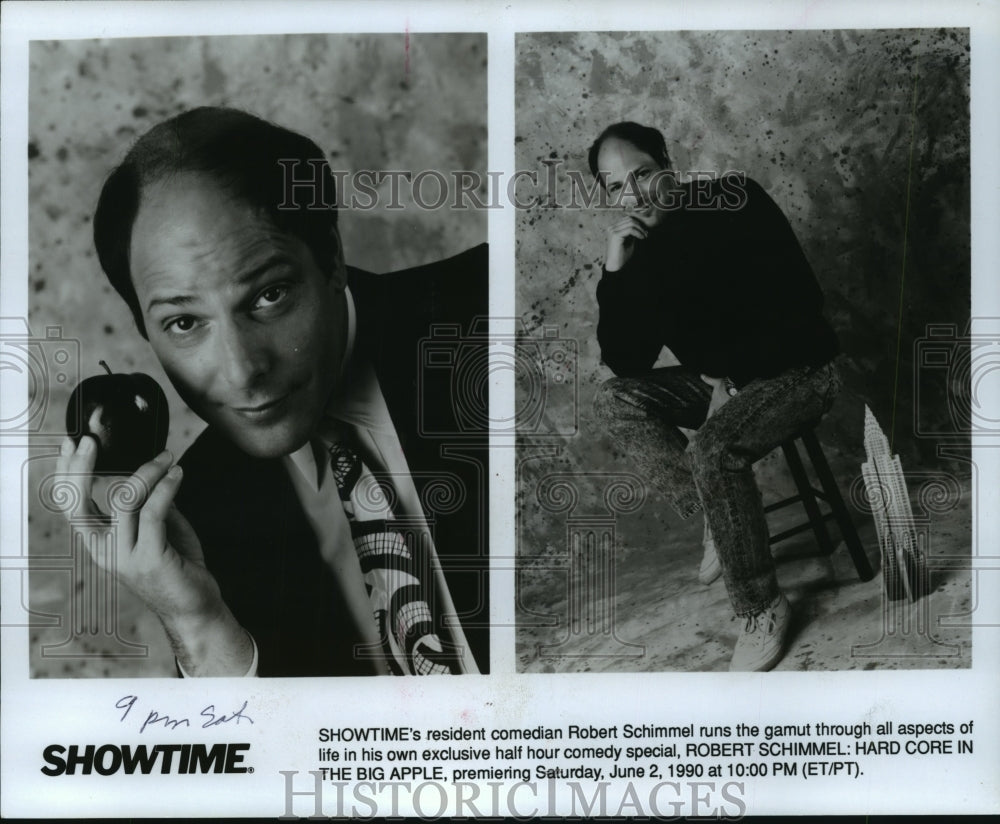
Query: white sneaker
762,641
710,568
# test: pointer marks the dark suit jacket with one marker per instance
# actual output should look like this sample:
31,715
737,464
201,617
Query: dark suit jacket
256,539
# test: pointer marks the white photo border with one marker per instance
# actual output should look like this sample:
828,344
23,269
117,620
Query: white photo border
290,712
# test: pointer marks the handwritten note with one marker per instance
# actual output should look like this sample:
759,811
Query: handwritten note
156,718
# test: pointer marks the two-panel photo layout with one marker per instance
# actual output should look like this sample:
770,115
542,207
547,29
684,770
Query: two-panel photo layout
264,355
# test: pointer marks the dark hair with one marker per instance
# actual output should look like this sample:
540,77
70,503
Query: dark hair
241,153
646,138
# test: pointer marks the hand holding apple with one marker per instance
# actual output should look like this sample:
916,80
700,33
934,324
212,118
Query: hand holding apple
159,557
127,415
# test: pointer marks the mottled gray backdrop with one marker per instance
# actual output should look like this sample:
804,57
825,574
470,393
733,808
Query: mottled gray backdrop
861,137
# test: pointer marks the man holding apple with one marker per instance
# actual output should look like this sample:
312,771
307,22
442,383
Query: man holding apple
255,551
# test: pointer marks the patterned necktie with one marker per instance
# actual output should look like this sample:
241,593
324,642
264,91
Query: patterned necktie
395,572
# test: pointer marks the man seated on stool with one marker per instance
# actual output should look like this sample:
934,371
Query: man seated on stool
713,271
298,545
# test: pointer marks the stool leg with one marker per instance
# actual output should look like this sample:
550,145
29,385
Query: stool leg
829,484
808,498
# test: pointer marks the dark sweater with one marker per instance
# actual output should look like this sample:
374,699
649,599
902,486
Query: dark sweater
728,290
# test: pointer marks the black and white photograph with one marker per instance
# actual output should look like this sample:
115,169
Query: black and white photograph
749,254
224,231
635,362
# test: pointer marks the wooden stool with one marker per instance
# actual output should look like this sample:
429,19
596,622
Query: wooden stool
809,495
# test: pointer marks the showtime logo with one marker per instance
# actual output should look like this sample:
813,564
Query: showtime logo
179,759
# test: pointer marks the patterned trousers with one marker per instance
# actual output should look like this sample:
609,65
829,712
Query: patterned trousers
713,470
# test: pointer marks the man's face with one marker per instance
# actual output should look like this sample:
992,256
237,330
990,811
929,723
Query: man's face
635,179
247,327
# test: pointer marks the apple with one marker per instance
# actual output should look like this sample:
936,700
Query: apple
127,416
